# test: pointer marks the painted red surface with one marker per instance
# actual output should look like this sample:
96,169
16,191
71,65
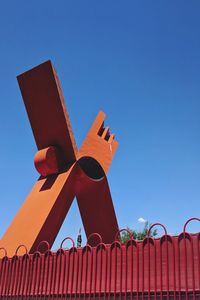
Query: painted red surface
65,172
164,268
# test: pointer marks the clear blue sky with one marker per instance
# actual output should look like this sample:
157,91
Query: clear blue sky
139,61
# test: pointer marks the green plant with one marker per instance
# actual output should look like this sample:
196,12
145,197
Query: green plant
137,235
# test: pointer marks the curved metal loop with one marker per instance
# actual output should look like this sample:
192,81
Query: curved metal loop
5,251
121,230
43,242
92,235
184,235
5,258
67,238
48,253
132,242
20,246
72,250
60,251
36,254
148,239
14,258
156,224
87,246
188,221
101,246
166,237
26,256
116,244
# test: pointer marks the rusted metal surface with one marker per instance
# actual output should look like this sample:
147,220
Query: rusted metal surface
164,268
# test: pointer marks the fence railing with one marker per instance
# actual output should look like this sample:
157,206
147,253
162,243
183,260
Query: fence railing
163,268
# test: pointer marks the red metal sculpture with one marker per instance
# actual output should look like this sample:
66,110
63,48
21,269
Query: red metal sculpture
164,268
65,172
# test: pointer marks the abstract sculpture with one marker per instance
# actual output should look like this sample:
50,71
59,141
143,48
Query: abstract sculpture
161,268
65,172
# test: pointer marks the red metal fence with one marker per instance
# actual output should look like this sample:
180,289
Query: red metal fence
164,268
